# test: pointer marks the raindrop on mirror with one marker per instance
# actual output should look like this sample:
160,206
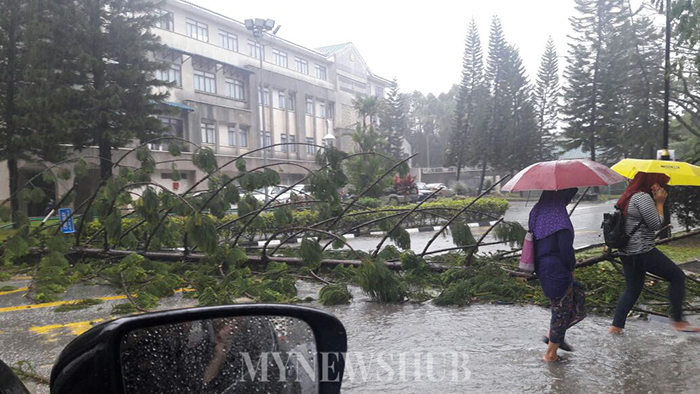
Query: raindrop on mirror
265,354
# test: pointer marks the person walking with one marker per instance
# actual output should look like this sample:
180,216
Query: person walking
642,205
553,235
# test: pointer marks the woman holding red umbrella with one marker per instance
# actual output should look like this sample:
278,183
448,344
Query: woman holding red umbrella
553,235
642,205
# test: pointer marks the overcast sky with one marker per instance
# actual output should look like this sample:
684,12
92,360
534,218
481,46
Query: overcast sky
419,42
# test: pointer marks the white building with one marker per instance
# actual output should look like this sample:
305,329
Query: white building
215,65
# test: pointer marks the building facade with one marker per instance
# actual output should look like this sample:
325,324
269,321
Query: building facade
217,101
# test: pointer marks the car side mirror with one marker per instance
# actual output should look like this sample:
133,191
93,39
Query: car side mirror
225,349
9,382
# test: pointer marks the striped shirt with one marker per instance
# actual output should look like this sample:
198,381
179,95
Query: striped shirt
642,208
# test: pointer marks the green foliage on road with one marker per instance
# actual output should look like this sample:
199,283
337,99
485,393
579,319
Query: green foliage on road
334,294
79,305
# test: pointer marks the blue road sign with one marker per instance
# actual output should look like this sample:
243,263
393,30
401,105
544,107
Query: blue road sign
67,227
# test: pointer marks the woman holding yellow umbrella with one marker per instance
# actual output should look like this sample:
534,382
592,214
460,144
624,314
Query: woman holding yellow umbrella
642,206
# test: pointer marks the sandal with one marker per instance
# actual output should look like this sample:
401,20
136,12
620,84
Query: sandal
563,346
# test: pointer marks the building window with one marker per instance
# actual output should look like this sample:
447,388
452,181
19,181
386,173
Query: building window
309,106
331,110
281,100
234,88
197,30
171,127
280,58
264,98
243,137
292,100
301,65
228,40
265,139
204,81
255,50
292,141
379,91
283,140
322,110
310,148
320,72
172,74
231,135
165,21
208,133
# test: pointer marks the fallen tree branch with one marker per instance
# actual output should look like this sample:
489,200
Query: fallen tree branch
25,370
320,279
128,294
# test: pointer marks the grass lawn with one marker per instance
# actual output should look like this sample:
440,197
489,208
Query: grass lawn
679,251
6,231
684,250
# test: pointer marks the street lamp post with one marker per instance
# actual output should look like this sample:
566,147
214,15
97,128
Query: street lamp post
665,154
258,27
329,138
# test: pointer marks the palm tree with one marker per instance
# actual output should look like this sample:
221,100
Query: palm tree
368,107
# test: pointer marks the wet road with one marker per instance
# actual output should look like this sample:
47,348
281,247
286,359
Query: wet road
504,352
586,219
497,347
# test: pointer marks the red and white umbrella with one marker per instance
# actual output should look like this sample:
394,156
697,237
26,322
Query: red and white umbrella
562,174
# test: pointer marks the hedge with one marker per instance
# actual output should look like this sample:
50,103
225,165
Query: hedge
265,224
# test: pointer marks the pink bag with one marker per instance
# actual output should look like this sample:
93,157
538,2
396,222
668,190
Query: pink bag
527,256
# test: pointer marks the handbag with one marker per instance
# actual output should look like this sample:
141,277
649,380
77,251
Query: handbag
527,256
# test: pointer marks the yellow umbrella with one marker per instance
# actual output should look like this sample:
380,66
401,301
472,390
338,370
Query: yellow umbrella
681,173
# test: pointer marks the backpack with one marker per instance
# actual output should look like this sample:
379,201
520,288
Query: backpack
614,229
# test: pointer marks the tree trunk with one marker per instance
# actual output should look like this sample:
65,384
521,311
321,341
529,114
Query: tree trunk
14,185
459,170
483,176
105,159
594,98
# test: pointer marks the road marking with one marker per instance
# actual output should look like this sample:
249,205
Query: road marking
21,278
59,303
21,289
52,331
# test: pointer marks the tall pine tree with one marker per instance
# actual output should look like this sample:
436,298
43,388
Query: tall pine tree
546,100
520,137
112,52
29,71
645,87
491,146
394,121
593,74
464,139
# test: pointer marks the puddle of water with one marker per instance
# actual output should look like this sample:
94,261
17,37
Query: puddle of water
503,347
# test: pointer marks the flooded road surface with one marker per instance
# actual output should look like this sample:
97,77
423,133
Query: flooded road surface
504,351
586,219
498,347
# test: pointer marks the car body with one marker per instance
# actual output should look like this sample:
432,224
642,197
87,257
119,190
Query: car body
445,192
299,191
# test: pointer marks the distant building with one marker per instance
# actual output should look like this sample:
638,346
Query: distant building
217,101
353,78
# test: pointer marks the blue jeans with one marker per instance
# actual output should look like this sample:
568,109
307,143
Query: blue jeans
635,268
